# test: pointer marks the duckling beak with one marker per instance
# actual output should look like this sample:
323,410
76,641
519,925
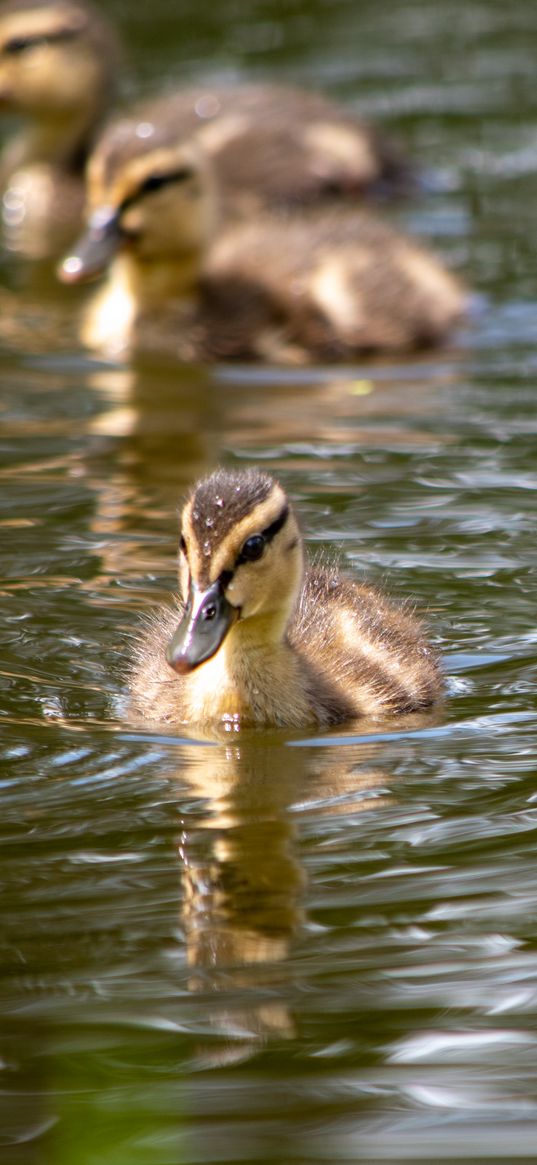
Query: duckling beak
95,249
204,626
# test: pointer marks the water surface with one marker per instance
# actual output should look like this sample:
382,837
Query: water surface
284,947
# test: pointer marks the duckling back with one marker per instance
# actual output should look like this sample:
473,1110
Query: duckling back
323,288
372,654
278,146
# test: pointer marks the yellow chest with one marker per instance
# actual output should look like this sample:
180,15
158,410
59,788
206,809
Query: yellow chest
270,690
109,319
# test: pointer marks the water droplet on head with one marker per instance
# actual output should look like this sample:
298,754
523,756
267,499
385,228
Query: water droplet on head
144,129
207,106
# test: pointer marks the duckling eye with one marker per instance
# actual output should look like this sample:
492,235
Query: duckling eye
252,548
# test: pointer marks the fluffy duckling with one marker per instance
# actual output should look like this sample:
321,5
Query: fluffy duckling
58,66
291,289
272,146
263,641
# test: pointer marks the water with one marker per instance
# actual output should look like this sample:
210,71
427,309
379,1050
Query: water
287,948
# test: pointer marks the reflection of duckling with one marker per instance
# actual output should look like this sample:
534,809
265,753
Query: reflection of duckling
58,62
242,878
259,644
291,289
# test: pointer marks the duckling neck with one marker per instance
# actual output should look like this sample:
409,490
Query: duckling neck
62,141
132,289
255,678
154,282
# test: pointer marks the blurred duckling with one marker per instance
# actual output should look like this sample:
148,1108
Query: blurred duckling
272,146
288,289
262,640
58,67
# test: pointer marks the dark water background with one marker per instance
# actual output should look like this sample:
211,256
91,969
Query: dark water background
286,949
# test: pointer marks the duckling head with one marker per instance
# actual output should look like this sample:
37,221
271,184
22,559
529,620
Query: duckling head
240,568
148,199
58,62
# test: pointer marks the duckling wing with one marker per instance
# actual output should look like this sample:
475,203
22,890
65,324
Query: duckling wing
373,653
284,146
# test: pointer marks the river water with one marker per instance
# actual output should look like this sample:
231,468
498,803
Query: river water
288,948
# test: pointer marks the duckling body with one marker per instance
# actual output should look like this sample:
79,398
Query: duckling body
289,289
262,640
58,67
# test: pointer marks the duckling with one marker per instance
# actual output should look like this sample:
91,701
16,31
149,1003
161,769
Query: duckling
264,640
58,68
289,289
271,145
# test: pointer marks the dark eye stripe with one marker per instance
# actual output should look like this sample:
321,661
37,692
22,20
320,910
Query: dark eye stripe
270,532
19,44
156,182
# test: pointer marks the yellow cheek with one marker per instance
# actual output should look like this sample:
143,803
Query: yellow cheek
241,592
249,592
236,594
38,74
132,220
